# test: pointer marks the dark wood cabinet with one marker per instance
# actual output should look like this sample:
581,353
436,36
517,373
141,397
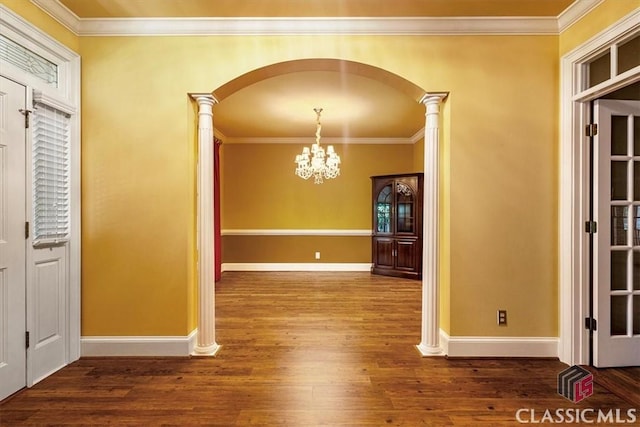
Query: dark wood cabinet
397,225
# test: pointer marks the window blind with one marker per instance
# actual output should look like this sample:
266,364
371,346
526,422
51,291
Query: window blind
51,183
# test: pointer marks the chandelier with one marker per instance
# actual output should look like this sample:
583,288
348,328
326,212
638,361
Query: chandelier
316,162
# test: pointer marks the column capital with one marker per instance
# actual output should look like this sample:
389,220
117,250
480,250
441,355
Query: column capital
433,97
204,99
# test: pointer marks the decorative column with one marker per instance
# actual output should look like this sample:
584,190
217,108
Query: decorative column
430,339
206,339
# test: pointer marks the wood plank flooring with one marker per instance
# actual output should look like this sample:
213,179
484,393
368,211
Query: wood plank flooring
304,349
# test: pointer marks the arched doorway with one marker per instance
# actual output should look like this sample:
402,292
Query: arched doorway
430,344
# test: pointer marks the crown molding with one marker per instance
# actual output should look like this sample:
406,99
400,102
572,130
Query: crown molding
60,13
325,140
418,136
317,26
575,12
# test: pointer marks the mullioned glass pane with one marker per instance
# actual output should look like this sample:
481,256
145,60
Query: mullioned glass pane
599,70
618,315
629,55
619,225
636,181
636,270
619,180
636,315
636,135
28,61
619,270
619,140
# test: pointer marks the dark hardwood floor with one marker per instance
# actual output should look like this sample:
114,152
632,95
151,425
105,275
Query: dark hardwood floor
306,349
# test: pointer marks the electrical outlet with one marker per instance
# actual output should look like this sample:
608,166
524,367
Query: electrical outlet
502,317
317,255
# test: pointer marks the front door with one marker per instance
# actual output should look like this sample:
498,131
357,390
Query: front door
12,238
616,293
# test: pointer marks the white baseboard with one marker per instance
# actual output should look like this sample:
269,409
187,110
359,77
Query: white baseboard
311,266
498,346
138,346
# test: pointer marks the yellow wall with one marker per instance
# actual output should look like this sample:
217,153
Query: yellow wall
606,14
138,170
296,249
503,178
138,191
261,191
499,178
445,218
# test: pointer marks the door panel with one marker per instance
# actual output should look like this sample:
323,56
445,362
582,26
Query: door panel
12,238
617,242
384,252
406,255
47,353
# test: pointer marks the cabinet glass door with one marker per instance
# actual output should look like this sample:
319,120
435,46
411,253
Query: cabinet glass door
383,209
405,209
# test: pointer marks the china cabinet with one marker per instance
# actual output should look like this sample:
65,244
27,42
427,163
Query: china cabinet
397,225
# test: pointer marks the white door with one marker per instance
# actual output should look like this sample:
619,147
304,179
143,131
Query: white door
616,294
47,277
12,238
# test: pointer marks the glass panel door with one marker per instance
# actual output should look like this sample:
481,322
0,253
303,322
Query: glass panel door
405,219
383,209
617,254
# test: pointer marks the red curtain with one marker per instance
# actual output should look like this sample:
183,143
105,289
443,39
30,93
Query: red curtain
216,210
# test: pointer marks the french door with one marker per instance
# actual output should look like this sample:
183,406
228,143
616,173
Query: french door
13,356
616,292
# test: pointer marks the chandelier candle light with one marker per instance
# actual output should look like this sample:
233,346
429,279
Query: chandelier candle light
315,162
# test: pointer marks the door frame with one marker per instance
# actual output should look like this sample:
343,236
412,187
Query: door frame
575,111
66,94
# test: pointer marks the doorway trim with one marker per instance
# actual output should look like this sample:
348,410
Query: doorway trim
65,95
573,268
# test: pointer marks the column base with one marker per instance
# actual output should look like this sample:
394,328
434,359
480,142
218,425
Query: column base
428,351
210,350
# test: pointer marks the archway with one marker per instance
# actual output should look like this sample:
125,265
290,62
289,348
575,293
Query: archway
430,342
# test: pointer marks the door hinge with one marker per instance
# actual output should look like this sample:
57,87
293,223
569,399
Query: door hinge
591,129
26,230
26,338
590,323
591,227
26,114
